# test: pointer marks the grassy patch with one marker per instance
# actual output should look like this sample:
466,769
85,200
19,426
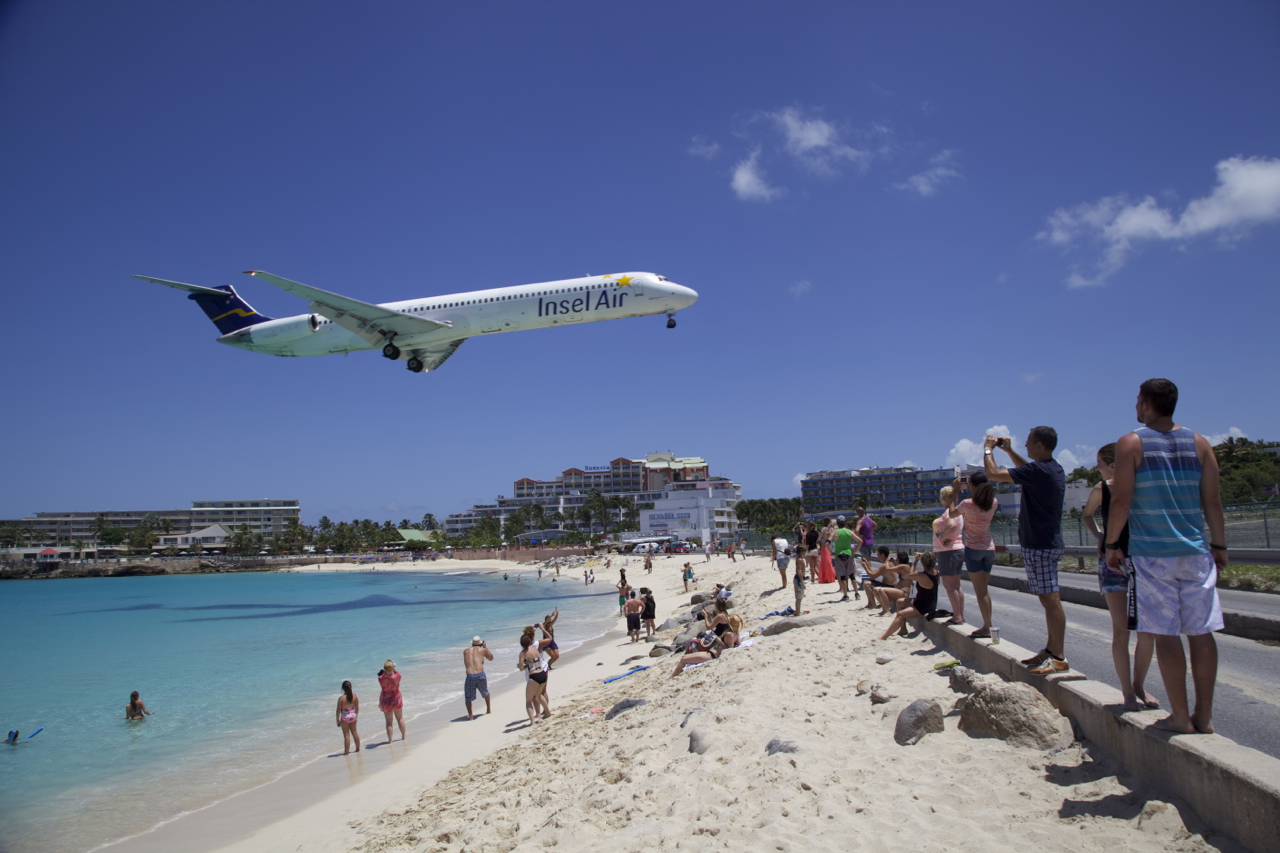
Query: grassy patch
1244,576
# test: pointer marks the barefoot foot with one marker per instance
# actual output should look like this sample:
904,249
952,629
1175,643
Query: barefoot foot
1168,724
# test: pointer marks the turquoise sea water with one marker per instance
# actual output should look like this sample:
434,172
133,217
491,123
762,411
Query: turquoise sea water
242,673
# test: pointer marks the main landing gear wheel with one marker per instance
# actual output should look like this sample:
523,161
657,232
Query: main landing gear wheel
415,365
391,351
671,322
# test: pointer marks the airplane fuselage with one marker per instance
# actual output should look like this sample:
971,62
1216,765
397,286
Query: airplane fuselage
481,312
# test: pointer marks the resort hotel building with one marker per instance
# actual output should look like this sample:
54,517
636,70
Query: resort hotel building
176,527
660,484
904,491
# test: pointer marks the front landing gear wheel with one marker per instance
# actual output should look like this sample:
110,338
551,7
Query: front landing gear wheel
671,322
415,365
391,351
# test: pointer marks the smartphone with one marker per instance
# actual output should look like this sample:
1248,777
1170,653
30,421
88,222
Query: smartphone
964,479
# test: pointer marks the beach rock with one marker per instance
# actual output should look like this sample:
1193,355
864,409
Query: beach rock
883,659
864,686
880,696
633,657
921,717
792,622
699,742
683,619
779,745
659,651
669,625
1016,713
685,636
624,705
965,680
689,716
700,597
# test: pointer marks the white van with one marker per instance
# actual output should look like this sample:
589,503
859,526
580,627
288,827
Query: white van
647,548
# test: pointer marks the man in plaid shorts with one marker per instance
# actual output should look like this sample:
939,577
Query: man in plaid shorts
1044,485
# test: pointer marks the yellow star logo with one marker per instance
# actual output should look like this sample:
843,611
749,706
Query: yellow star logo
624,281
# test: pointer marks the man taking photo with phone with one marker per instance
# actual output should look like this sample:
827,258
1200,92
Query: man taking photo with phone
1044,486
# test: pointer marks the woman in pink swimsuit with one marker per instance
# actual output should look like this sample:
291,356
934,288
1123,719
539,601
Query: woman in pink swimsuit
348,710
391,702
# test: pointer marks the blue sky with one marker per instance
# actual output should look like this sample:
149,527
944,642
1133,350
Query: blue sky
907,223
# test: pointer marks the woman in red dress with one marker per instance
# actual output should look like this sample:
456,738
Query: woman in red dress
391,702
826,569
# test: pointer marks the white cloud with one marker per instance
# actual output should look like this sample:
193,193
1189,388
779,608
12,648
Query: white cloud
1247,194
1084,455
966,452
749,183
797,479
704,148
816,143
1219,438
800,288
908,464
926,183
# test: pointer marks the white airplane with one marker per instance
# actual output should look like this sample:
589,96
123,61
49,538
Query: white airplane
425,332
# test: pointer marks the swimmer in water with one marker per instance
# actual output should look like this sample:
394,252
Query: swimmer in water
136,709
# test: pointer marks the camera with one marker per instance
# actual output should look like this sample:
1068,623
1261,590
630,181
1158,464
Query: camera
964,479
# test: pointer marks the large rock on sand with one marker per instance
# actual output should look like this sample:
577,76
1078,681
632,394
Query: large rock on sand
668,625
792,622
965,680
921,717
1016,713
624,705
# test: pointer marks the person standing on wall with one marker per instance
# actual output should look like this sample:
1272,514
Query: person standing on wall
1166,488
1044,486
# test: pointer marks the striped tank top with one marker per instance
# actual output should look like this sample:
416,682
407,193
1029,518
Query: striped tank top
1165,519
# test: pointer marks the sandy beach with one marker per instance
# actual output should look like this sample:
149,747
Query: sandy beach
583,782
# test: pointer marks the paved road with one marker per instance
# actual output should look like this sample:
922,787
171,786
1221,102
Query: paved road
1247,702
1266,604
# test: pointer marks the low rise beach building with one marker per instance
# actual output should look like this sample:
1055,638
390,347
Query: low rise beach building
267,517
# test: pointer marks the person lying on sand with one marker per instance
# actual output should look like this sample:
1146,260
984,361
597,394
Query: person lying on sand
702,648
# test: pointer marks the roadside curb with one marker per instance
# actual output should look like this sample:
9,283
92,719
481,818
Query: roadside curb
1234,789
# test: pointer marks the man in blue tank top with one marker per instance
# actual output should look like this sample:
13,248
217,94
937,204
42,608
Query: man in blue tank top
1044,485
1166,488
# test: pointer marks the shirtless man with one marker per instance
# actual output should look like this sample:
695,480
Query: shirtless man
633,608
474,658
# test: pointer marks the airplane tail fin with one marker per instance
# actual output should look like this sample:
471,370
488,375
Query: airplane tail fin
222,304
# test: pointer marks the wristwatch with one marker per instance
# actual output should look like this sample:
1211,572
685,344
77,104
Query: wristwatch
1113,546
987,452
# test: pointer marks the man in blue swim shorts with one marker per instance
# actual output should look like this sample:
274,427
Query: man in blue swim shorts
474,658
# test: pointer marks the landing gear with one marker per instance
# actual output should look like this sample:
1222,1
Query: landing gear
671,321
391,351
415,365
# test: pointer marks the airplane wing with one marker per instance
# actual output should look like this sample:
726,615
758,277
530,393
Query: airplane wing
375,324
190,288
433,357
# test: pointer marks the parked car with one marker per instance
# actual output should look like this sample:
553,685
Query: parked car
681,548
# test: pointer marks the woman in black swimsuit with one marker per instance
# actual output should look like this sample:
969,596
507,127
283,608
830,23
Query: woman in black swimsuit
535,687
926,600
650,611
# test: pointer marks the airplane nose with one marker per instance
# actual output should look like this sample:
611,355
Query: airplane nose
686,295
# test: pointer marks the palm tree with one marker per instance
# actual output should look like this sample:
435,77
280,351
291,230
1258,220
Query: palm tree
487,528
555,519
77,548
429,522
326,525
537,516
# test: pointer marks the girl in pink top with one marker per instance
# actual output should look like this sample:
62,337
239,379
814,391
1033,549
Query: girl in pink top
391,702
979,549
948,549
